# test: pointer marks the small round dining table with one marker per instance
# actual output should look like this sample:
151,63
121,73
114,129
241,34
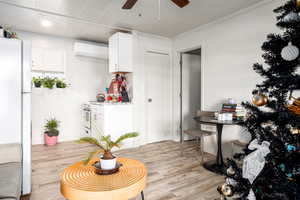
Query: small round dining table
79,181
216,166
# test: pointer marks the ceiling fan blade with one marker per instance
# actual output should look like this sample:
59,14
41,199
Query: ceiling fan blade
129,4
181,3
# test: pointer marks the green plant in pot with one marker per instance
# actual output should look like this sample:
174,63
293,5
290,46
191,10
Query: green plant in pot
37,81
105,145
51,132
49,82
60,83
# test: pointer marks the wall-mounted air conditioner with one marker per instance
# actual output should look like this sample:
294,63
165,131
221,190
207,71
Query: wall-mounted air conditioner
89,49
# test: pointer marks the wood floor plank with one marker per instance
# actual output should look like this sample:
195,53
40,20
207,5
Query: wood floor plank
172,175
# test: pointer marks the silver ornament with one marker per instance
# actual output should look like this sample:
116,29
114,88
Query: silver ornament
290,52
291,17
227,190
230,171
231,181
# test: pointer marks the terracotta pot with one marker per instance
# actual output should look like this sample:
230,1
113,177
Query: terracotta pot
50,141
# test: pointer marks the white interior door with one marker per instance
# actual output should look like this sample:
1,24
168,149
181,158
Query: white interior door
191,89
158,97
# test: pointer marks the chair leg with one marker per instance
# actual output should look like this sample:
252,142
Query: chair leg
197,143
181,147
202,149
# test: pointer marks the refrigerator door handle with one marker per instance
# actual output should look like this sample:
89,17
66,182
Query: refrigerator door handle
26,143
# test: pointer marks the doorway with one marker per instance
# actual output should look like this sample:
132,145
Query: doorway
158,96
190,88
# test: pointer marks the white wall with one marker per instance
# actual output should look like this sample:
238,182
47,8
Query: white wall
86,76
229,48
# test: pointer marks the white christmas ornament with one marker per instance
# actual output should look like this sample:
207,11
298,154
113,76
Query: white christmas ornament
290,52
291,17
255,162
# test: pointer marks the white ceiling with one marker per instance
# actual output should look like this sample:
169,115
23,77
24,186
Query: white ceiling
97,19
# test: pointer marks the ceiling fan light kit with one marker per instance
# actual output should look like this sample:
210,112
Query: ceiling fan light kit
129,4
180,3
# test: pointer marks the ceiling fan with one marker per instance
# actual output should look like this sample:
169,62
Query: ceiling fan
180,3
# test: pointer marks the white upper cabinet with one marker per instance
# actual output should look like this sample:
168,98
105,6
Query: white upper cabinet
48,60
37,58
120,52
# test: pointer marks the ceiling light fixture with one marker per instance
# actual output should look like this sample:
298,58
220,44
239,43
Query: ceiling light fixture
46,23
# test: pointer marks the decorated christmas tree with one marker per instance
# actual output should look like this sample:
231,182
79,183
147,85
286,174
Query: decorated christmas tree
269,167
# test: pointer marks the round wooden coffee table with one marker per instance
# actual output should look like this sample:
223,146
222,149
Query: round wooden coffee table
79,182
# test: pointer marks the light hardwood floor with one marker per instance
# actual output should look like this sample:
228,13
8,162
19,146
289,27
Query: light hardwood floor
171,176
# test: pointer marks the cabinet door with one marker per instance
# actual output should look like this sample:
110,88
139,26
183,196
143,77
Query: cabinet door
37,59
113,53
125,52
49,60
54,60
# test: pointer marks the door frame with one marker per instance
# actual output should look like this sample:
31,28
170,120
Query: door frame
181,52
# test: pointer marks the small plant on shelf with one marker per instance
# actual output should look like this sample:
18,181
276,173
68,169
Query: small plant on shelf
49,82
37,81
105,145
51,132
60,83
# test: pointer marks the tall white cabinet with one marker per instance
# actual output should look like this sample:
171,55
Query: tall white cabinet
120,52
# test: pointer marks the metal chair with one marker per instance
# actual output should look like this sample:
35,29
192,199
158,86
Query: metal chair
198,133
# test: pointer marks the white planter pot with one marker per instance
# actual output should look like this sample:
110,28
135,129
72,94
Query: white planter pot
108,164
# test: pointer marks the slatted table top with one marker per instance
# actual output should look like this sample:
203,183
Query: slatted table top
80,182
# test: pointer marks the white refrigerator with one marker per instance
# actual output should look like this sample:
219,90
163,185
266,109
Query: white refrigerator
15,101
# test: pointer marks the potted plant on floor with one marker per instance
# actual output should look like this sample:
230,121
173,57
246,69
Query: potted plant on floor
37,82
51,132
107,161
